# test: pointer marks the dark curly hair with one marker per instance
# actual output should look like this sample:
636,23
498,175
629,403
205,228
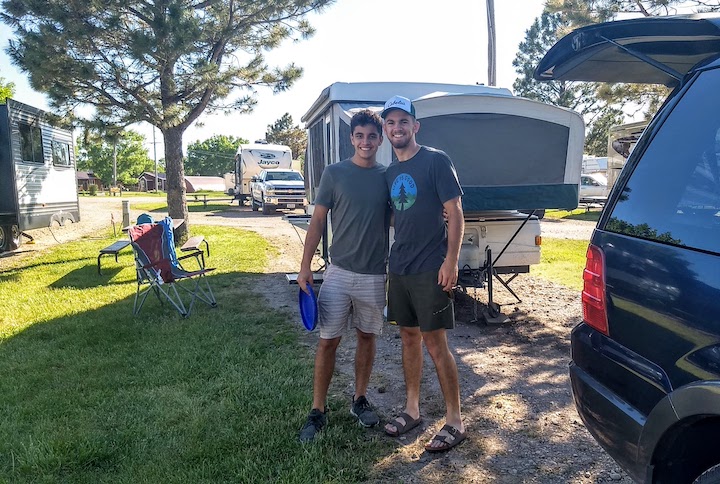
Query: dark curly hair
364,118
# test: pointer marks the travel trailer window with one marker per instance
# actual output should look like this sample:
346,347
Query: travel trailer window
346,147
31,148
60,153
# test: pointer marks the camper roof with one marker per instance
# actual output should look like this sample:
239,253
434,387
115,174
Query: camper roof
262,146
379,92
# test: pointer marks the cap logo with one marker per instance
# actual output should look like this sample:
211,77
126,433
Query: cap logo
398,102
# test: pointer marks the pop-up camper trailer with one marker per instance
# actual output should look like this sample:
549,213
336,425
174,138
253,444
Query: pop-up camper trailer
37,173
510,153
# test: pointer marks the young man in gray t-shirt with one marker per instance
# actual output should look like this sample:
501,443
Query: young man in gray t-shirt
355,195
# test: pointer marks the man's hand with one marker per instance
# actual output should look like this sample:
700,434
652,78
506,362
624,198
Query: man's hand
447,275
305,277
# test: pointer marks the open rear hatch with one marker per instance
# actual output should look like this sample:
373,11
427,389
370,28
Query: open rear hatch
647,50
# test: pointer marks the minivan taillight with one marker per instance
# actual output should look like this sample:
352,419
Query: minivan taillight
593,294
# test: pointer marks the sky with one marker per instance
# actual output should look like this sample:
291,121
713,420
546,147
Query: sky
359,41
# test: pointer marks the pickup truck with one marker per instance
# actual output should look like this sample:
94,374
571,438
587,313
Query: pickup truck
277,188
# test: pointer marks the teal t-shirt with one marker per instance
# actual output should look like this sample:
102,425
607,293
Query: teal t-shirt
418,188
360,216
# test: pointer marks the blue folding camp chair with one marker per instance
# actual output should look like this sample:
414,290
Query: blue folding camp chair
158,269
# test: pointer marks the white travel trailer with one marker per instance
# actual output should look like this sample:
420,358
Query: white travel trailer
510,153
37,173
621,142
252,158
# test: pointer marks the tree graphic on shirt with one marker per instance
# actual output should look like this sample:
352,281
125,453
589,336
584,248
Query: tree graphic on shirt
402,197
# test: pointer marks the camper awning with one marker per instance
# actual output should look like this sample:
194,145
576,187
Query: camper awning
649,50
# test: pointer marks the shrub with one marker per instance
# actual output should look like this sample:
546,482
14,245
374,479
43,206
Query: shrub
92,190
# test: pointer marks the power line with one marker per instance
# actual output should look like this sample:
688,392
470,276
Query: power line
211,153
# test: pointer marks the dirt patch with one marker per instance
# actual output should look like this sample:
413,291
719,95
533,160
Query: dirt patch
515,392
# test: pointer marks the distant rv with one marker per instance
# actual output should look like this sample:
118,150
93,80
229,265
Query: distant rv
37,173
251,159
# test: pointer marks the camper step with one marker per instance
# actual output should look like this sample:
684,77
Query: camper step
113,249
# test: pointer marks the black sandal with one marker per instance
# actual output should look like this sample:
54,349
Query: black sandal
410,423
449,441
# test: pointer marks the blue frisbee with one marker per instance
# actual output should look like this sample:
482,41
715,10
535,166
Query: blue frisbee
308,308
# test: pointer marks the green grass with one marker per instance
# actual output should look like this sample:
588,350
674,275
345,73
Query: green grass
577,214
562,261
91,394
192,205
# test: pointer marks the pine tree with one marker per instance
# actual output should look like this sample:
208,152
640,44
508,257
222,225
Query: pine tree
283,132
164,62
402,197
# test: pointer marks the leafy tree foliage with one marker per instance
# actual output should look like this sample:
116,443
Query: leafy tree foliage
640,98
212,157
596,138
7,90
578,96
160,61
283,132
584,12
96,152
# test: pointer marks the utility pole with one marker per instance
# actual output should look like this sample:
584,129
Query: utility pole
115,161
490,4
157,183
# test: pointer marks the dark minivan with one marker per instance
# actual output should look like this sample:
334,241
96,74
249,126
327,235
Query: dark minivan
645,367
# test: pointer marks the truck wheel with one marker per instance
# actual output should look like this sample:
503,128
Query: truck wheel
266,210
710,476
254,205
9,237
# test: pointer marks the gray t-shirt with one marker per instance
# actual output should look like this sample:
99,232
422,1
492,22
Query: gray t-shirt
360,215
418,188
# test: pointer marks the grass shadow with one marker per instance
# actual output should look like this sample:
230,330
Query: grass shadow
87,277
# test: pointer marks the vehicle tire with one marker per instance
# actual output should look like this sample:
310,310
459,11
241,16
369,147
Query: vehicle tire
710,476
254,205
9,237
266,210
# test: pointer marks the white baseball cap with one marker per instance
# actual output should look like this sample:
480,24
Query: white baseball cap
398,102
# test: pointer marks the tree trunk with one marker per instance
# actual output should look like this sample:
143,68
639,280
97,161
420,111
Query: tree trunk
175,179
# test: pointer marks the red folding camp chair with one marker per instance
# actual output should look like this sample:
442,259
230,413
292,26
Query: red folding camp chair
158,269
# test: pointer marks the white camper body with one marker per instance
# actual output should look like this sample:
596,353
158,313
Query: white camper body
251,159
510,153
38,184
621,142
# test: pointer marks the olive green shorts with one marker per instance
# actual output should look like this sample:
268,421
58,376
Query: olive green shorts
417,300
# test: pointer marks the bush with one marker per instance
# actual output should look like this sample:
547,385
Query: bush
93,190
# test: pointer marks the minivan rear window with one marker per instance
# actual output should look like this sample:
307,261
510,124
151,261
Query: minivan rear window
673,193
